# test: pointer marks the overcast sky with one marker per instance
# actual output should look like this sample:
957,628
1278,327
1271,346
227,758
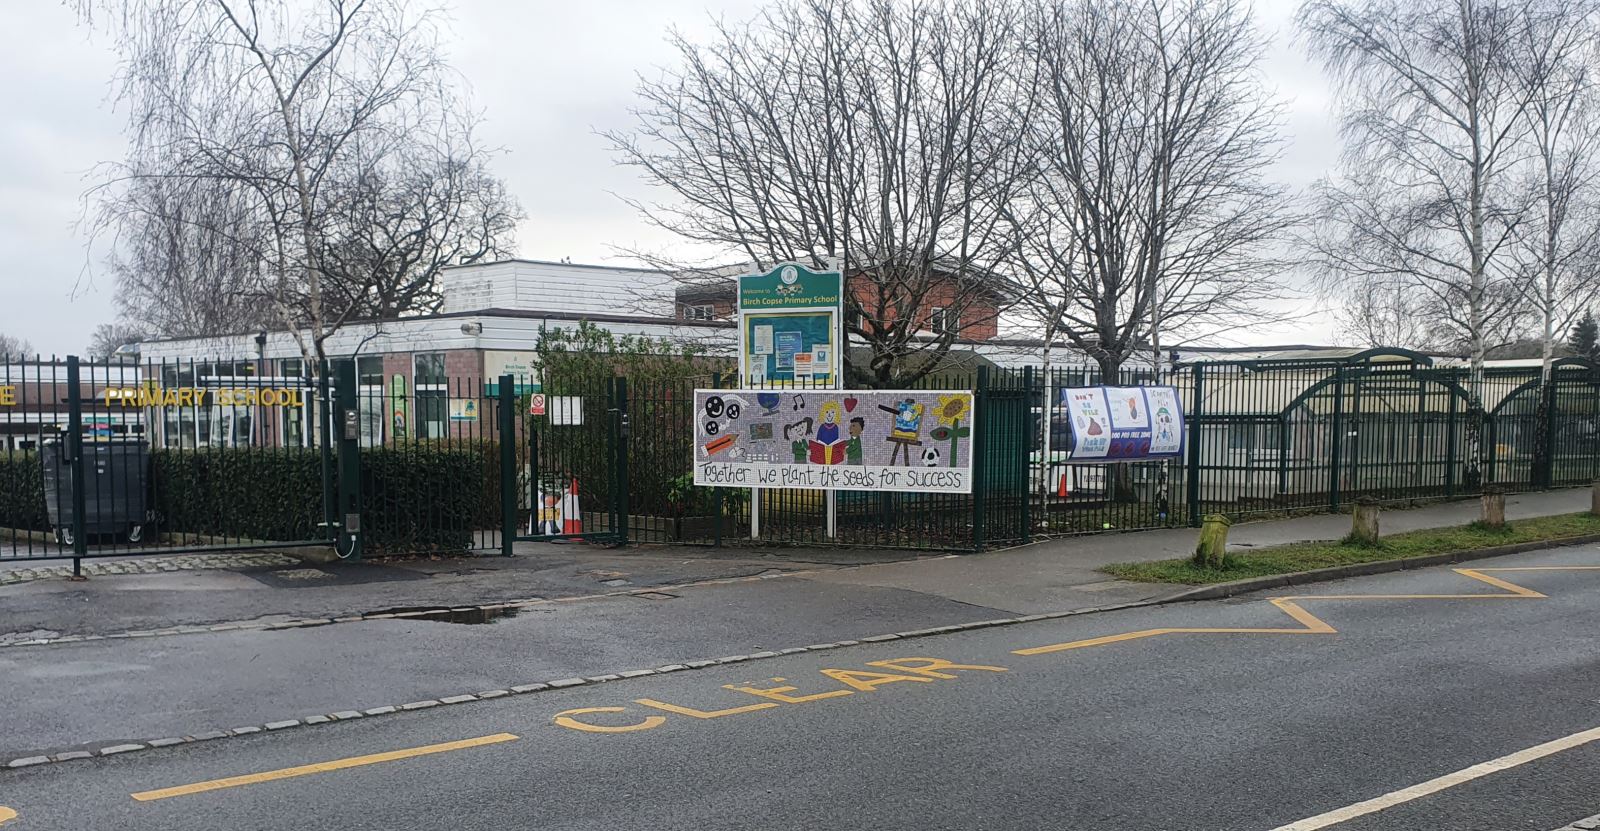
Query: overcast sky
546,74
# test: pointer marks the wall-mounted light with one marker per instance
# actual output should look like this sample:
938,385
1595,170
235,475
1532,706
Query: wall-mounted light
473,328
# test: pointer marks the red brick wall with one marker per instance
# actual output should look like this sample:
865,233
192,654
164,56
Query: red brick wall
979,318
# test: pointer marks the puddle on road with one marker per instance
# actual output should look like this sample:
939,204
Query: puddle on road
467,616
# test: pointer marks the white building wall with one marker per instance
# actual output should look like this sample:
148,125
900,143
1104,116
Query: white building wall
561,288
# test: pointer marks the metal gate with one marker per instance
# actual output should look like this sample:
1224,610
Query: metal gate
114,459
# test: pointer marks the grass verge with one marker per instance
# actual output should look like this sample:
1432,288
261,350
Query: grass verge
1305,556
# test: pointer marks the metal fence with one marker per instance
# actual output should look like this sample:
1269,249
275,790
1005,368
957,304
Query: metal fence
114,459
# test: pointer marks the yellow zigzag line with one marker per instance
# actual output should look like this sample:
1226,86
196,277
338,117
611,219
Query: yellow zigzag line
1310,624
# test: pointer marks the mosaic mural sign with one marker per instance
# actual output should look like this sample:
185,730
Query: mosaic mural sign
890,440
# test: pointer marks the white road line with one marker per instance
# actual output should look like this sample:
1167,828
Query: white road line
1449,780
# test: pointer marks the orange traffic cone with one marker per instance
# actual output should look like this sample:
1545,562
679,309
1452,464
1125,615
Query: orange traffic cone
1061,486
571,512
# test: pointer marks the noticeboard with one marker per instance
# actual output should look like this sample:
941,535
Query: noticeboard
888,440
1124,424
789,324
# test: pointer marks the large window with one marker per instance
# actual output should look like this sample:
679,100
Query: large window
294,419
433,395
944,321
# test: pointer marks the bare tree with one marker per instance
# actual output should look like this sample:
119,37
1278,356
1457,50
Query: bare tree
1558,249
189,254
874,136
1148,214
12,346
302,112
1433,116
1393,315
408,210
109,337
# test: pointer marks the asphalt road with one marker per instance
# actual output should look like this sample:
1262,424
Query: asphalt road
1126,724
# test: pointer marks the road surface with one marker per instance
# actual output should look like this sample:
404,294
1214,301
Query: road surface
1366,704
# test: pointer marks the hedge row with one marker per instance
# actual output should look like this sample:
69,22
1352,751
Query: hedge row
416,497
22,493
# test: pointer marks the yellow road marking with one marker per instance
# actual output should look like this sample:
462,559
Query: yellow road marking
1314,625
321,767
6,815
1449,780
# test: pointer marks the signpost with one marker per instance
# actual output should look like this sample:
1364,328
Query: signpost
791,333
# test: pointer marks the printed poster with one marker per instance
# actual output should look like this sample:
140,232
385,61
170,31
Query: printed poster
1166,421
1130,422
1112,424
1091,421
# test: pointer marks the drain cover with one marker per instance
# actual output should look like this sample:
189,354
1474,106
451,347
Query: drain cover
468,615
301,574
655,595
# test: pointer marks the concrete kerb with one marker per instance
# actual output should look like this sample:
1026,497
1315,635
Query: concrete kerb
1323,575
1202,593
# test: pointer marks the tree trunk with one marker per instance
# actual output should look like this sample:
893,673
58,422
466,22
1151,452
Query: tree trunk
1364,521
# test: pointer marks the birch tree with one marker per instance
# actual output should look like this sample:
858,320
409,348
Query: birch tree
1558,251
1434,109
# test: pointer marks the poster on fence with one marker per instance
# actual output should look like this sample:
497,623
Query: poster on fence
1123,424
889,440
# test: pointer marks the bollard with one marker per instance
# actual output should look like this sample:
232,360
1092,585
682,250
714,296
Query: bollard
1364,521
1494,507
1594,498
1212,548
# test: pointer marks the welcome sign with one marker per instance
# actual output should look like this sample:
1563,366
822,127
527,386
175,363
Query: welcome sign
880,440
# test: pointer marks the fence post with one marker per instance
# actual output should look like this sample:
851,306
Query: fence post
1192,480
349,425
1336,465
1547,473
619,476
1028,490
1450,446
980,405
80,525
508,464
327,422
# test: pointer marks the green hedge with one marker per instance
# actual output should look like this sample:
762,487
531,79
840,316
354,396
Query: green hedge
424,497
415,497
22,493
253,495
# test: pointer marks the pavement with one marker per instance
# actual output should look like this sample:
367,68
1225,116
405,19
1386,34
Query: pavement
1439,698
167,655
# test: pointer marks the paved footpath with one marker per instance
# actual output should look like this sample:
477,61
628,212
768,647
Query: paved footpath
1441,698
163,656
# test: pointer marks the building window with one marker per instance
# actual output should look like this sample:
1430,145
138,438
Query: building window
944,321
433,395
699,311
